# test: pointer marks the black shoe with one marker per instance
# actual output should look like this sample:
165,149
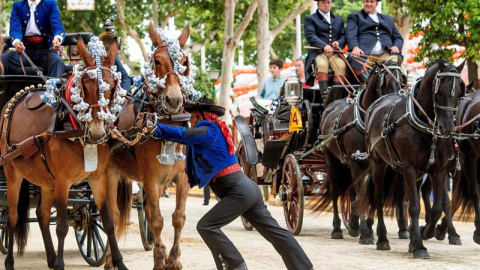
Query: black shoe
205,203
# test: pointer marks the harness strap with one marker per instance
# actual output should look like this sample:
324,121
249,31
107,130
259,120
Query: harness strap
72,113
42,155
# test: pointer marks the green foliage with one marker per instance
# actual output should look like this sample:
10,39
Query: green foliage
204,85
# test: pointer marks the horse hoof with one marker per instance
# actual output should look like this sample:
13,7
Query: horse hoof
476,238
421,254
403,235
411,248
383,245
174,265
423,234
454,240
366,240
440,234
353,233
337,235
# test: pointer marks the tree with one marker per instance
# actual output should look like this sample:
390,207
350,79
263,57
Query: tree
265,36
443,23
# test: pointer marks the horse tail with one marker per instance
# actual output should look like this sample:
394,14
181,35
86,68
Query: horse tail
22,229
124,204
394,194
366,198
461,197
322,201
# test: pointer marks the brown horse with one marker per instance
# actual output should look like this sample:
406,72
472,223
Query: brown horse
140,162
401,134
466,191
56,164
343,129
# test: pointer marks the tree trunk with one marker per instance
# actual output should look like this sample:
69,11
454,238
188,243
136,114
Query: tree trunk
131,31
472,72
155,13
264,42
231,39
403,26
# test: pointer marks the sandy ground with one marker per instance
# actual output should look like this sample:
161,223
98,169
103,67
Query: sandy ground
324,252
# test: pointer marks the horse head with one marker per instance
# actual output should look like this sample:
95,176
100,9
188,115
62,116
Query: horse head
169,76
97,92
385,78
442,88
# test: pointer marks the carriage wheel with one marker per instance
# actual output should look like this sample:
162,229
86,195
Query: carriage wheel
250,171
3,231
346,209
90,235
292,194
145,234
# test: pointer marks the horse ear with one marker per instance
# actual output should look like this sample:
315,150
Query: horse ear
182,39
469,87
460,68
83,51
154,36
441,64
112,53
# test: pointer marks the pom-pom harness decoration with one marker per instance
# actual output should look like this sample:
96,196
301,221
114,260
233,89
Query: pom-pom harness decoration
176,54
97,50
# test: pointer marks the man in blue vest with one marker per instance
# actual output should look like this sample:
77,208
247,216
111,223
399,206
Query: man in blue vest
325,32
211,160
35,27
371,33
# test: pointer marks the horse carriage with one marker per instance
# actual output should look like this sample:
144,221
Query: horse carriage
281,149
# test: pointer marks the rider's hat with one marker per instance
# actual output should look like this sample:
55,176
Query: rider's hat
206,105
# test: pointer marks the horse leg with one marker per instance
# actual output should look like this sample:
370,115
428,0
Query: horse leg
438,183
400,199
471,175
416,243
333,170
100,188
378,175
155,221
426,190
453,237
61,194
14,183
178,220
44,214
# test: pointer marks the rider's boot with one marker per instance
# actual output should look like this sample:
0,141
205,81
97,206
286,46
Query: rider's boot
362,74
322,79
337,90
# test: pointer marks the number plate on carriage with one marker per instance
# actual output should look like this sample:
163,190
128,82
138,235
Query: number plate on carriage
90,155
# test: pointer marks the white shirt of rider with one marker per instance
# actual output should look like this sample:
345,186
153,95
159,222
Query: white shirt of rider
378,46
326,16
32,28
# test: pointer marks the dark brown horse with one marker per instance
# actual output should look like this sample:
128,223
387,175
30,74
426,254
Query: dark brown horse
412,133
343,129
466,191
56,164
140,161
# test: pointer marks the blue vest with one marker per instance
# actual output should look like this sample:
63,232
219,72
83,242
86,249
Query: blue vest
47,17
207,150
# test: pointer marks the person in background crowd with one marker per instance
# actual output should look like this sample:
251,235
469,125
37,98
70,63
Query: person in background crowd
325,32
374,35
35,27
271,86
211,161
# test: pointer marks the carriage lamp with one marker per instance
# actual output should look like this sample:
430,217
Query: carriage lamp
293,90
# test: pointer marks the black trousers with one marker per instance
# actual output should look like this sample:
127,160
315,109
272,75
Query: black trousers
241,196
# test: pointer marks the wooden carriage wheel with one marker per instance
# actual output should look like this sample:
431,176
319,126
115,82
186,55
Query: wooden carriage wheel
90,235
3,231
292,190
250,171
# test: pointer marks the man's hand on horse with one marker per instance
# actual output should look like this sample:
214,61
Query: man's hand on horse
146,122
56,43
356,52
20,47
394,49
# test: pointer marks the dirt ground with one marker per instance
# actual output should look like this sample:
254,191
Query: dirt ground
324,252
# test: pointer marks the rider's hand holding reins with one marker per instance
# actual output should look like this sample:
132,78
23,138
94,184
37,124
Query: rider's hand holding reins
356,52
394,49
19,47
328,49
56,43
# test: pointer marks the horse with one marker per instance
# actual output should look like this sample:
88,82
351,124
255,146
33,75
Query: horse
55,162
466,181
397,124
141,161
342,127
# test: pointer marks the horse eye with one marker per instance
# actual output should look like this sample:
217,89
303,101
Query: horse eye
157,62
